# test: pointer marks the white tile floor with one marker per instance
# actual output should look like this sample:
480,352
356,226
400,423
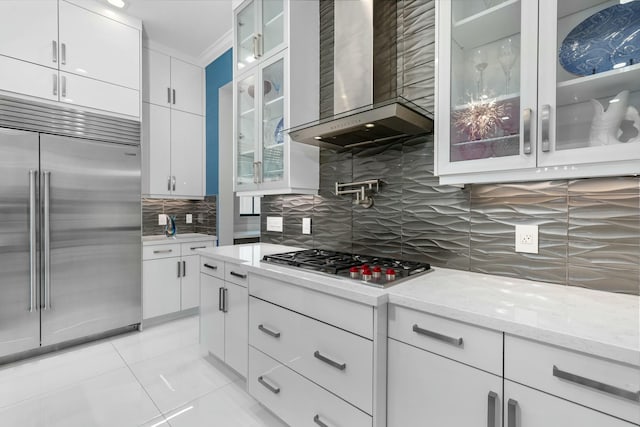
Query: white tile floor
156,378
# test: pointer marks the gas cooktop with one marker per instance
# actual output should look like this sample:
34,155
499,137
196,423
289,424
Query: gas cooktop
373,271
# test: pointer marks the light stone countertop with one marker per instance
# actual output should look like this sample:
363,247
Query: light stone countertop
161,239
599,323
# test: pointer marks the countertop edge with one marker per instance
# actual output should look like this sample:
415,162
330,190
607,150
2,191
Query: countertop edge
179,240
588,346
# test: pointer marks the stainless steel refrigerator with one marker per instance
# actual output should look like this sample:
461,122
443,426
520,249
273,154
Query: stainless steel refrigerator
70,226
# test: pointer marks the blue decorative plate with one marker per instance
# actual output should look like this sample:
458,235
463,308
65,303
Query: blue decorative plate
603,40
278,134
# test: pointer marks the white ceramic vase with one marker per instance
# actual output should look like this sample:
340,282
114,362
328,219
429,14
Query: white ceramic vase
605,128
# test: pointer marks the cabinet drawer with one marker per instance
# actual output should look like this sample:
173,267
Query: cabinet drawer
236,273
191,248
335,359
478,347
600,384
160,251
297,400
345,314
212,267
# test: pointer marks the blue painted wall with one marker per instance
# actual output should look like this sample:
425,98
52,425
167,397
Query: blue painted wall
218,74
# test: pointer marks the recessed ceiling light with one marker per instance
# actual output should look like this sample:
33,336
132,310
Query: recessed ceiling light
317,137
117,3
369,125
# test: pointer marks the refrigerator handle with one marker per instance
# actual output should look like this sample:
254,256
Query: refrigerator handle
32,241
47,242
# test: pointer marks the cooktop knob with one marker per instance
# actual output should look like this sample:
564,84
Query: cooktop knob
377,272
366,274
354,272
391,274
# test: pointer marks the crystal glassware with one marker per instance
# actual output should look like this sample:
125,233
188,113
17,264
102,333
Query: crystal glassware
480,63
507,57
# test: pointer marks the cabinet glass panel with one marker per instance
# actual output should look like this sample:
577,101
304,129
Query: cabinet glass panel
245,34
272,24
246,123
485,79
273,124
598,74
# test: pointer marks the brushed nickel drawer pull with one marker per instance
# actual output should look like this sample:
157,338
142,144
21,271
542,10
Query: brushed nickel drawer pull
449,340
212,267
165,251
596,385
269,331
273,389
242,276
340,366
197,247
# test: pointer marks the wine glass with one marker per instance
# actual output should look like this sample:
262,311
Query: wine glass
480,63
507,57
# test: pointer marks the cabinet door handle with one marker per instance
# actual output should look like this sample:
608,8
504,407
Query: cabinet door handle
318,421
168,183
545,116
220,290
269,331
512,409
325,359
173,183
54,51
255,47
168,95
241,276
596,385
225,299
491,409
255,172
55,85
527,132
164,251
449,340
179,264
184,268
212,267
260,47
271,388
63,87
63,53
259,172
174,96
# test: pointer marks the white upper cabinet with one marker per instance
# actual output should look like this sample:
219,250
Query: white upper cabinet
259,31
515,101
29,31
171,82
187,152
276,87
98,47
186,87
72,52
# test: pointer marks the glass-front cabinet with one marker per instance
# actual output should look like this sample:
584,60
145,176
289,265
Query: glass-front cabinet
537,89
259,31
276,87
260,125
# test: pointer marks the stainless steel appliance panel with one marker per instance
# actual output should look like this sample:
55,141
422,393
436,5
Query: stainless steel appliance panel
91,208
19,317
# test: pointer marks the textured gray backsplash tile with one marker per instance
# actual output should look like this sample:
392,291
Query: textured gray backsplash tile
203,211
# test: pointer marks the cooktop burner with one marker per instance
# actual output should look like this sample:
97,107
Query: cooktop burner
374,271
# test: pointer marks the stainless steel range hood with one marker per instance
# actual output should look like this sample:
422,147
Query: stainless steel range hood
376,123
359,78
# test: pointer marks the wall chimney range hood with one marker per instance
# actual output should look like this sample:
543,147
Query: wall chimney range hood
359,103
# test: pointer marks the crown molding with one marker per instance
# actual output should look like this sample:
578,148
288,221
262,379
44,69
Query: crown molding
211,53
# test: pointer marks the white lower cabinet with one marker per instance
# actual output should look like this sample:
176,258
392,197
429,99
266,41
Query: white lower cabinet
306,362
526,407
223,315
170,278
425,389
296,400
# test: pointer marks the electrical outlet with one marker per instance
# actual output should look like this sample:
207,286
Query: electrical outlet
306,225
189,219
527,239
162,219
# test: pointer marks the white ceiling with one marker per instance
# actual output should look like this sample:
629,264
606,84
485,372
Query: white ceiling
187,26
